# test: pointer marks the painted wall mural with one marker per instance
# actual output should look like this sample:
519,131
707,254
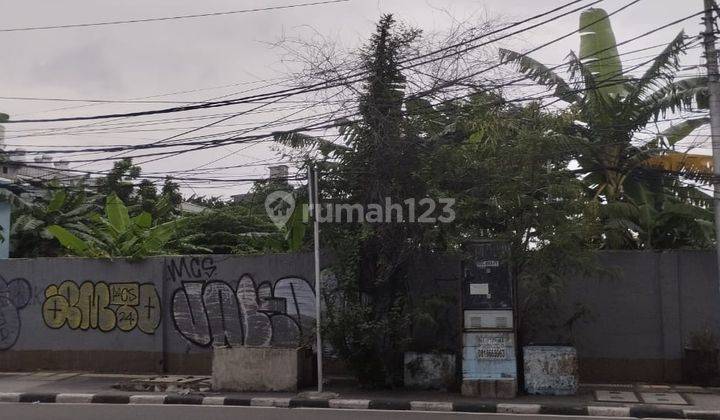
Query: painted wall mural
210,311
102,306
14,296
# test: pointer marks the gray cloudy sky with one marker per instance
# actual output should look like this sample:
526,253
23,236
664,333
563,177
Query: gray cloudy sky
140,60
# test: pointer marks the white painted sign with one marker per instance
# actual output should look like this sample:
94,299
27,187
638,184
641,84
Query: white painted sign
492,348
487,263
479,289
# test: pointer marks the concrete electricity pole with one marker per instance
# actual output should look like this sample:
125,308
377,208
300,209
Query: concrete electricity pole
711,56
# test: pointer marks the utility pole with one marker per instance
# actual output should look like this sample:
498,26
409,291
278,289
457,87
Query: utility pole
315,211
713,75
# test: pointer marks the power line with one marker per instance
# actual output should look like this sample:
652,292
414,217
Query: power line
226,141
160,19
207,145
99,101
305,89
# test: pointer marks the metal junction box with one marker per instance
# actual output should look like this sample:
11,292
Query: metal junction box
489,355
489,350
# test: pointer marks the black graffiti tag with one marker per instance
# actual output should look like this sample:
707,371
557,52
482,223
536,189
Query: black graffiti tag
14,296
191,267
213,312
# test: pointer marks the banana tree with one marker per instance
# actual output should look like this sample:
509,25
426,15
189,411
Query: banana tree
116,234
612,108
30,233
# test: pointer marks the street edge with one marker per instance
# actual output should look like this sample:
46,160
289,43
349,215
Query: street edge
359,404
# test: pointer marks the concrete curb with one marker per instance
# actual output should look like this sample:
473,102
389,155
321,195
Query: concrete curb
640,411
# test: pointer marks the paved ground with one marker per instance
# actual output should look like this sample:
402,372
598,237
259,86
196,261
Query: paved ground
663,396
155,412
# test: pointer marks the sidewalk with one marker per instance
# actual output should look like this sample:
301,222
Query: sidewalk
641,400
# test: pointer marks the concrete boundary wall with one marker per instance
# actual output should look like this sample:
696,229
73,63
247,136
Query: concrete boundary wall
161,314
164,314
642,313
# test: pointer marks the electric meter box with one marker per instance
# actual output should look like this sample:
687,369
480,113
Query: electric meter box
487,292
486,277
489,346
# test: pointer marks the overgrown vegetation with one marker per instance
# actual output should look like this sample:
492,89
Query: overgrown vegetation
554,184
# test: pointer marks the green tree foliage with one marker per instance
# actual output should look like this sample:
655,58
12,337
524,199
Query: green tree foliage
508,168
611,108
229,230
116,234
70,208
368,317
121,181
242,227
140,196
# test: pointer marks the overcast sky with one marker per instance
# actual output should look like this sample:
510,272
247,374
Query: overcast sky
156,58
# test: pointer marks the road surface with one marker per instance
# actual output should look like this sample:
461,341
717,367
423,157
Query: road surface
28,411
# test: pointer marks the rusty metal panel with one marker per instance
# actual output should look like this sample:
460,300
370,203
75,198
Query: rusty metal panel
489,355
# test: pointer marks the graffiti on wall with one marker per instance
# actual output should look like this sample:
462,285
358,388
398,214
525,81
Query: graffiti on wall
14,296
191,267
102,306
213,312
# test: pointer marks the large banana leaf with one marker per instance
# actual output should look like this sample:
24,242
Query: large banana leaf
540,73
598,50
673,97
117,213
296,227
81,210
680,131
143,220
57,201
299,141
686,163
661,72
25,223
160,235
68,240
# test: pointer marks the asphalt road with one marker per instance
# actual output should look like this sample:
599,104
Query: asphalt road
187,412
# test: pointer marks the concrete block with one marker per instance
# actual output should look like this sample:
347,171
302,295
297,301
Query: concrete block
73,398
147,399
487,388
608,411
431,406
270,402
470,388
9,396
551,370
429,370
352,404
259,369
213,401
519,408
505,388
